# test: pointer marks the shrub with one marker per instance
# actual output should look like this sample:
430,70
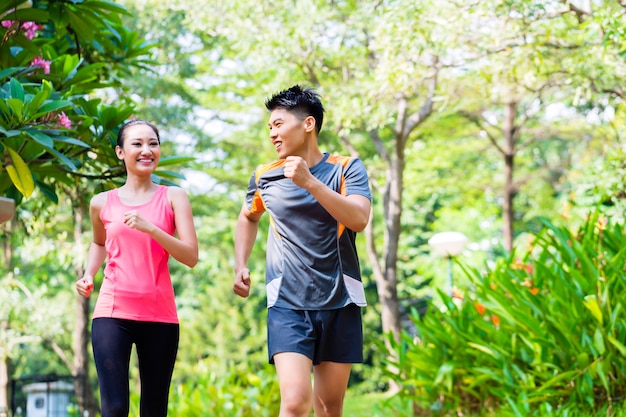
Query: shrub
238,394
539,334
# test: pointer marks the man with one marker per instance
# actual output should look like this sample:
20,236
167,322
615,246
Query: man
317,202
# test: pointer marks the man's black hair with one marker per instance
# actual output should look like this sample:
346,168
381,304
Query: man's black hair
303,102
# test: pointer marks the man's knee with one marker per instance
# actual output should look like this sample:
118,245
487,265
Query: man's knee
329,407
295,403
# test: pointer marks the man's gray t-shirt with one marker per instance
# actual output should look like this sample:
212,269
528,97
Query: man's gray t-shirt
312,262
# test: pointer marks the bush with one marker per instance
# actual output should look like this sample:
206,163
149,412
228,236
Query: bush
539,334
238,394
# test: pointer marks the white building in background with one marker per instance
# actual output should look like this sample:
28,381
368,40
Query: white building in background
48,399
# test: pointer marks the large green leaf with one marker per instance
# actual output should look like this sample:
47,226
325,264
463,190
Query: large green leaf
52,106
8,72
591,302
41,138
17,91
18,172
71,141
175,160
10,133
27,14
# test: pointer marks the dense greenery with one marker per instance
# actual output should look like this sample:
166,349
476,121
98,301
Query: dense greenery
52,59
462,112
540,333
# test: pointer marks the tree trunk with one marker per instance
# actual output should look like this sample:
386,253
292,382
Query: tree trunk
509,132
386,274
4,386
84,393
5,375
387,285
7,248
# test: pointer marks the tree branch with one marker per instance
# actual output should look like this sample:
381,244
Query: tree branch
379,145
57,349
478,122
426,110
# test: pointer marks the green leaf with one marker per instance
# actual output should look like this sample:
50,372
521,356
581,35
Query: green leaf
591,302
17,90
32,14
10,133
80,23
602,373
19,173
564,376
71,141
109,6
70,66
41,138
36,102
46,88
598,341
619,345
66,161
7,72
54,106
482,348
175,160
47,191
16,107
169,174
85,74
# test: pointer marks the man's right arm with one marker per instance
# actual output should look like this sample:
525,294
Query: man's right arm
245,236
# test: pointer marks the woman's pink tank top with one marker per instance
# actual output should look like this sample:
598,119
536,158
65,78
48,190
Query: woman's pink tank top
137,283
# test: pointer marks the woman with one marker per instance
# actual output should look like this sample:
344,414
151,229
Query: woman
136,228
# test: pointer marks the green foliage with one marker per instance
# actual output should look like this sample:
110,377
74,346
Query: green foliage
235,394
603,186
538,334
54,54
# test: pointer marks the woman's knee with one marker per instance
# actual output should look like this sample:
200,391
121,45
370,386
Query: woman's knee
115,409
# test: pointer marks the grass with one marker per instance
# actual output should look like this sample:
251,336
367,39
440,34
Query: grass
365,405
370,405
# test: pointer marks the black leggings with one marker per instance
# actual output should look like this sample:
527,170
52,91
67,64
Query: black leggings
157,345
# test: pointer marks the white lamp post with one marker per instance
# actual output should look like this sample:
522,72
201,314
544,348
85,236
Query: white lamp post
448,245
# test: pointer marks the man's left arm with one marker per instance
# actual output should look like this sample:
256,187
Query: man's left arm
351,210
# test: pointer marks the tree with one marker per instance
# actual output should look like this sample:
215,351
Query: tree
54,55
377,95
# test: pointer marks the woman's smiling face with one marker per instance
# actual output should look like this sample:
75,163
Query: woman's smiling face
141,150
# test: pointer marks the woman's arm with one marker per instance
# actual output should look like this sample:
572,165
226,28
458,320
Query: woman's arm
184,247
97,252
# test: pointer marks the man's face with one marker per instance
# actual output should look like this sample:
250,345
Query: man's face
287,133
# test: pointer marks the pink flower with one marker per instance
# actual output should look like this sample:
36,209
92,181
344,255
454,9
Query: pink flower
41,63
64,121
30,29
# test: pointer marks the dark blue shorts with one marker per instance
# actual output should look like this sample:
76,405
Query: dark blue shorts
320,335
